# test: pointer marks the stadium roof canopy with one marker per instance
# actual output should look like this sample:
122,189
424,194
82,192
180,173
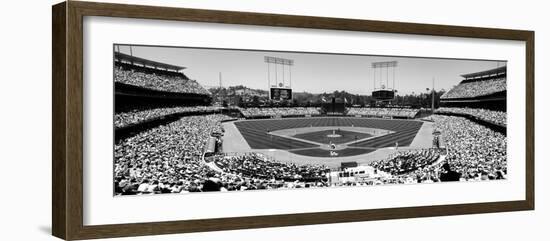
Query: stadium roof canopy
145,62
485,72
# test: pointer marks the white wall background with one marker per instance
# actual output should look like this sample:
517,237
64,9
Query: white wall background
25,123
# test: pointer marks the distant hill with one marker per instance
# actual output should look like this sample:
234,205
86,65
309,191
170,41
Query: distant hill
245,96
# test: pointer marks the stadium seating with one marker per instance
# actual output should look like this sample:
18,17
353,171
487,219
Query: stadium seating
497,117
407,161
137,116
476,88
383,112
254,165
177,83
168,155
167,159
475,152
281,111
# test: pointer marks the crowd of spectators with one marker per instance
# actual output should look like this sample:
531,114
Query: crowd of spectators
497,117
279,111
156,81
407,161
383,112
473,153
473,150
251,171
136,116
166,158
255,165
476,89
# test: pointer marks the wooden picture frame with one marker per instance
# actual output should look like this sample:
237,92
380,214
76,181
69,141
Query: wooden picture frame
67,119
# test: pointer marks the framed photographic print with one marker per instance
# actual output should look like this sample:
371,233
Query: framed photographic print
217,120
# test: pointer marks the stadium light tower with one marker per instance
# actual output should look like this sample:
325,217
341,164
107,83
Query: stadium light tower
433,94
280,90
384,92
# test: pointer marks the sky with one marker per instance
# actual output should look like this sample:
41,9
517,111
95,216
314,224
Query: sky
313,72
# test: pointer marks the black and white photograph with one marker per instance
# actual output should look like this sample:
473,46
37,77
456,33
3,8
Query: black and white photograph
275,120
190,119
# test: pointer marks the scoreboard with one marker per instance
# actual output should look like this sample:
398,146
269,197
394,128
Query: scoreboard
281,94
383,94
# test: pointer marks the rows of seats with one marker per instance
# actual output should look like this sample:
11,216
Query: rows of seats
156,81
407,161
383,112
473,153
124,119
167,158
497,117
254,165
279,111
476,88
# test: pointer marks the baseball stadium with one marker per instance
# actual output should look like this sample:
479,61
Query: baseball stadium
176,133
